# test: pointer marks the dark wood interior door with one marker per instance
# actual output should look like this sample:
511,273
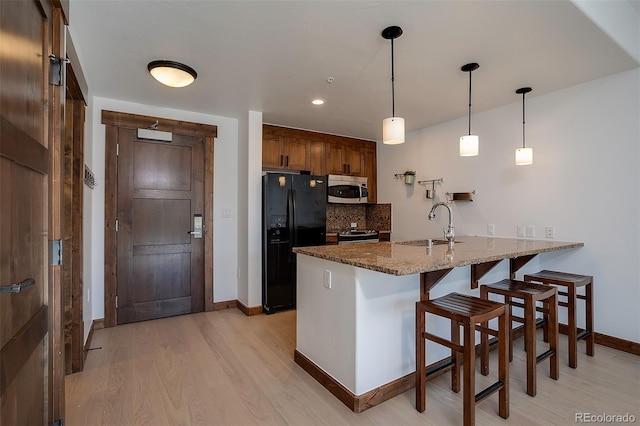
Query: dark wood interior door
25,337
160,264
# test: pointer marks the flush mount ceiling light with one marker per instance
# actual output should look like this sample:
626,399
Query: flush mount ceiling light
469,144
172,74
524,156
318,101
392,127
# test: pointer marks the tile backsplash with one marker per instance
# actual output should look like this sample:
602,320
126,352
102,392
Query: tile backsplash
367,216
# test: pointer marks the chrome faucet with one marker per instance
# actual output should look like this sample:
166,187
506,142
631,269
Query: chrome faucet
449,233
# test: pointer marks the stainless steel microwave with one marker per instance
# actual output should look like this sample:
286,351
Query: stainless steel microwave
347,189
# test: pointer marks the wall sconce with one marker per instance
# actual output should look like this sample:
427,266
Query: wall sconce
524,156
469,144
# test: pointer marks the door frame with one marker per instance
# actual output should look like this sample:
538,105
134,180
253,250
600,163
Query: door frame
73,205
114,120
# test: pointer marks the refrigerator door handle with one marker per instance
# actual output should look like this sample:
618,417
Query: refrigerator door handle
291,209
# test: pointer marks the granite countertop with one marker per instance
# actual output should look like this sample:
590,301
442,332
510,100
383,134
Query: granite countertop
401,258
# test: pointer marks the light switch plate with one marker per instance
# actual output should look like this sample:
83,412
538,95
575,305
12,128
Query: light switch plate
530,230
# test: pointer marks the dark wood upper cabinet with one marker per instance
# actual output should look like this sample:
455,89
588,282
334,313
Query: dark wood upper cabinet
371,170
344,157
284,152
317,158
319,153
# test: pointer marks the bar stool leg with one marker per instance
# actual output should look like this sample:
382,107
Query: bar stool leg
421,380
589,322
545,326
554,361
484,341
530,344
503,364
507,301
455,371
572,327
468,395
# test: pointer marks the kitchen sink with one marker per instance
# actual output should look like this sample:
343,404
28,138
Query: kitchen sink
423,243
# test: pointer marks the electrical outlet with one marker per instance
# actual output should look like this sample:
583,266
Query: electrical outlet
354,224
491,229
520,231
327,279
530,230
226,213
550,231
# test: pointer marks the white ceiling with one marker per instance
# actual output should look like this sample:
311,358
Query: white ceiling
275,56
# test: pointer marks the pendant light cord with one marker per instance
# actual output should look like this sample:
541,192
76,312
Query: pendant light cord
523,119
470,72
393,92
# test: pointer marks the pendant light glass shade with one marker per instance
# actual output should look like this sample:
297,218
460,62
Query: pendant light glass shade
392,127
393,130
469,144
172,74
524,156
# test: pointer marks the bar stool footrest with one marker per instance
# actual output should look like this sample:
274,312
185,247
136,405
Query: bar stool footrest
488,391
544,355
440,367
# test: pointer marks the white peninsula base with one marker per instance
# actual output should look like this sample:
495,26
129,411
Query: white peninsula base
359,332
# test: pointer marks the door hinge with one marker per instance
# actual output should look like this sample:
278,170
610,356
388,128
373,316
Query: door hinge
116,302
55,76
117,149
55,252
116,225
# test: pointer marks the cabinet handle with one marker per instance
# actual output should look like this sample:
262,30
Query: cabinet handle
281,160
349,168
287,165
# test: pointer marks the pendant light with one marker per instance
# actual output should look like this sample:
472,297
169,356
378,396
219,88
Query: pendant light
524,156
469,143
392,127
172,74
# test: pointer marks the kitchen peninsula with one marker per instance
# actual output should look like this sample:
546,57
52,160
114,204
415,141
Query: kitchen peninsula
355,307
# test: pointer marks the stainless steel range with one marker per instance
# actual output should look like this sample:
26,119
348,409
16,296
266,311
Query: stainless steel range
356,236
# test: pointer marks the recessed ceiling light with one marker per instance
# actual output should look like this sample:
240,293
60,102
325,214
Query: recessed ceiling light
318,101
172,74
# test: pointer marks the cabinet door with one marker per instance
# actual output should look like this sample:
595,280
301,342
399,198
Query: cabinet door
334,154
370,170
354,159
317,158
296,153
272,156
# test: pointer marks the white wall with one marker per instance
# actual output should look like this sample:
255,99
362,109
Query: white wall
585,182
225,197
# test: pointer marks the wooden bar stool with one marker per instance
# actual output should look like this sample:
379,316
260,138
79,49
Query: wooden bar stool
571,282
529,293
465,311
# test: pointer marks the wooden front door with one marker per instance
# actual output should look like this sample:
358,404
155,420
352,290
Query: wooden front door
160,189
28,160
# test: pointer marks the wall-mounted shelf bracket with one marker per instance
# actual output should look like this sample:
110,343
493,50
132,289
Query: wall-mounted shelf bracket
431,192
460,196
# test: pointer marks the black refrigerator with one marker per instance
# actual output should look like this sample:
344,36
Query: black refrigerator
293,215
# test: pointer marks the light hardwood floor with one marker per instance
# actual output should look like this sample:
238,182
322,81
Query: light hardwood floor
224,368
